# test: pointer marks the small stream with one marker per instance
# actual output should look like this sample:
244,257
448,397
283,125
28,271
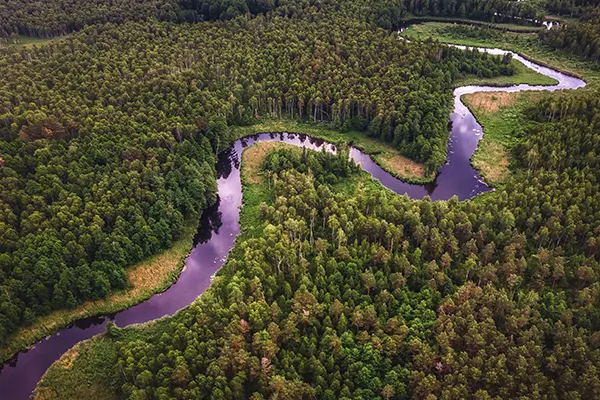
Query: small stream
219,227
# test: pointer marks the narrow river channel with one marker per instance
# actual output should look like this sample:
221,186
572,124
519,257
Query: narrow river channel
220,225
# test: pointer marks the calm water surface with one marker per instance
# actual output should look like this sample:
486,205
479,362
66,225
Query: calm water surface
220,225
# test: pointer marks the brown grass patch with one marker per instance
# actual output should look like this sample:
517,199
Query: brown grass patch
44,393
402,166
86,390
492,161
66,360
254,157
491,101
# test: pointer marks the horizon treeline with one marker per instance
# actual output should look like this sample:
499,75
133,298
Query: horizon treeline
60,17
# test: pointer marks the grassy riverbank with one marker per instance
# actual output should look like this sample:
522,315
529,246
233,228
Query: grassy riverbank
384,154
500,114
411,19
146,278
522,75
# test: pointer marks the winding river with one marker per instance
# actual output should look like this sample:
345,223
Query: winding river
220,225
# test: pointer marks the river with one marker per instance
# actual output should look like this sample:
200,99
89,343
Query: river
219,227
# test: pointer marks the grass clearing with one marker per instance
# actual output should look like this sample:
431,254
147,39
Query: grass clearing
254,157
465,21
384,154
146,278
402,166
254,189
500,114
490,102
83,372
26,41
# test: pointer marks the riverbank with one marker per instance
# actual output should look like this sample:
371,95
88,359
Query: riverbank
500,114
522,75
382,153
507,27
146,278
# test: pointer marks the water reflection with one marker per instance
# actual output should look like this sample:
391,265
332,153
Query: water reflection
210,221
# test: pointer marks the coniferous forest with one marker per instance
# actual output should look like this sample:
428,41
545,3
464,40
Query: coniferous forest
109,139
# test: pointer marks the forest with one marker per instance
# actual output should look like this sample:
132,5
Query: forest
366,294
108,138
60,17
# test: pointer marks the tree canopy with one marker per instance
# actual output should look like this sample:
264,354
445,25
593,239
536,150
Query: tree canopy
367,294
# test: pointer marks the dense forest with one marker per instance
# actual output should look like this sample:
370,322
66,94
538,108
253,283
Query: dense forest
573,8
59,17
485,10
371,295
108,138
108,143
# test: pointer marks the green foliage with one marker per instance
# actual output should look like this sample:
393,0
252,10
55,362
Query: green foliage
366,293
573,8
484,10
59,17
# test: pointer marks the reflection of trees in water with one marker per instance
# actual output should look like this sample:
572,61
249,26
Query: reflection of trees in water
225,162
211,221
316,142
430,187
86,323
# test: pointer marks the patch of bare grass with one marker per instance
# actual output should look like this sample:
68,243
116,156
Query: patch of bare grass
402,166
491,101
254,157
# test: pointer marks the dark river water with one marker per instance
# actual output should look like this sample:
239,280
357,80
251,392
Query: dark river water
219,227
